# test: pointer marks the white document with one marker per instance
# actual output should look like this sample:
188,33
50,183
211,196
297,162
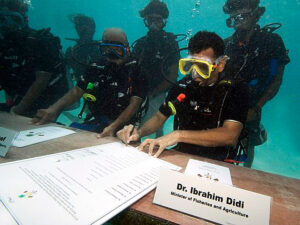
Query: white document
38,135
6,139
208,171
85,186
5,217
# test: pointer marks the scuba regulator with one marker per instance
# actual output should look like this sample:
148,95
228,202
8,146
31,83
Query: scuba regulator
88,96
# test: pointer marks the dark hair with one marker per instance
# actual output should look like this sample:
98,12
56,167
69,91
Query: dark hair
15,5
78,19
204,40
155,7
234,5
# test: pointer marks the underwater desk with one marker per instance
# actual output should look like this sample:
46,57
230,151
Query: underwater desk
285,208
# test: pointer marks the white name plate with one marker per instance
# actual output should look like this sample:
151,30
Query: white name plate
216,202
6,138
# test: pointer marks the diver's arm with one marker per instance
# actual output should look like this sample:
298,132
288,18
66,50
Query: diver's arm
165,85
50,114
68,99
227,135
153,124
124,117
273,88
42,79
269,93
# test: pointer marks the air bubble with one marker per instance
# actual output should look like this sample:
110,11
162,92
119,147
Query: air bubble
195,10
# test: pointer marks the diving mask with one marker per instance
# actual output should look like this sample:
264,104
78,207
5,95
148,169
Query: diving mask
11,21
202,65
238,19
155,22
114,50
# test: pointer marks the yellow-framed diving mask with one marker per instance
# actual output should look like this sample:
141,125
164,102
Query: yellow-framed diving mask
202,65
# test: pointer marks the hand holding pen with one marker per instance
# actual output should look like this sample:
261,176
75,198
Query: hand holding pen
129,134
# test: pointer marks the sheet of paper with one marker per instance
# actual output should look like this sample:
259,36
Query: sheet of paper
34,136
5,217
208,171
6,139
85,186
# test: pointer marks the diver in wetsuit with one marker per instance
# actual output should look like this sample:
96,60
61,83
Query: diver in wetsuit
32,72
258,56
113,89
211,110
79,56
157,47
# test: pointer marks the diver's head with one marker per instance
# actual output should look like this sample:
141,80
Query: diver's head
84,25
244,14
155,15
115,46
12,16
206,58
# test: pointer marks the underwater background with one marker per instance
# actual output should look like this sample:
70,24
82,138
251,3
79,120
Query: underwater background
281,153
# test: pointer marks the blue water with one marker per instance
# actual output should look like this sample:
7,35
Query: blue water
281,153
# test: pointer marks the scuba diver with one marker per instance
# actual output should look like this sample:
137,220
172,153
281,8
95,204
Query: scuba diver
32,73
258,56
113,89
84,49
210,109
151,51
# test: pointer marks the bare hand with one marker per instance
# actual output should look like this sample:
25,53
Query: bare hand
44,116
15,110
161,143
107,132
128,134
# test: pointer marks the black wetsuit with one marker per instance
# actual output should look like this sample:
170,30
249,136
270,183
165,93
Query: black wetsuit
262,56
22,55
202,109
114,85
151,50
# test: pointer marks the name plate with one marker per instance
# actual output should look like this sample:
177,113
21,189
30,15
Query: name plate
212,201
6,138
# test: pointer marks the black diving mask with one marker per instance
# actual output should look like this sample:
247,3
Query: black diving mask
238,19
11,21
155,23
